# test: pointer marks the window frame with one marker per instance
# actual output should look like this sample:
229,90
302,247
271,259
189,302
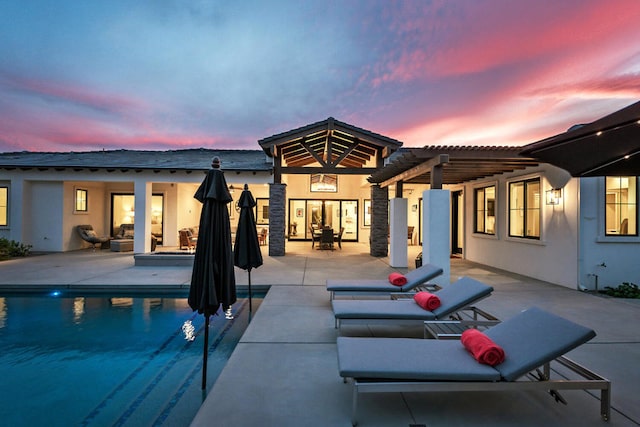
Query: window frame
605,204
5,189
526,210
76,208
485,211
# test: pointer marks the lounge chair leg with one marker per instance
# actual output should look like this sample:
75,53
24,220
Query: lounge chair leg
605,404
354,406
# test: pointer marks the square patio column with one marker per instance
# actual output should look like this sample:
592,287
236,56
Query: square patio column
277,219
398,233
142,190
436,229
379,221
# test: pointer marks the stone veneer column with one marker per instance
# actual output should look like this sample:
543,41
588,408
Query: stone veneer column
277,203
379,221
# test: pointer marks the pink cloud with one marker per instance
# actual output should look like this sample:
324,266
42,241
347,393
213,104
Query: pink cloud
57,91
481,37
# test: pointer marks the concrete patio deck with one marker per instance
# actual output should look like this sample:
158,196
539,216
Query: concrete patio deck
284,370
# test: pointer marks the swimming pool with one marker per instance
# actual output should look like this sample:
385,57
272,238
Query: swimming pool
119,360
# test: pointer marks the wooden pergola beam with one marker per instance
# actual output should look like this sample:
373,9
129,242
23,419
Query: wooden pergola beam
432,166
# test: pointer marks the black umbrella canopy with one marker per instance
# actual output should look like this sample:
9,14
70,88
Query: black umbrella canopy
246,251
609,146
213,279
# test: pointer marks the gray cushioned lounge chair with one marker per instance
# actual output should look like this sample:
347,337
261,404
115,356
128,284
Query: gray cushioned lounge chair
454,297
87,234
531,340
415,278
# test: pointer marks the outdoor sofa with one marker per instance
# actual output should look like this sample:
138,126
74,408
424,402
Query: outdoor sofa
531,341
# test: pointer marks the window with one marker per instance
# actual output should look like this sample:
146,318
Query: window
524,209
81,200
485,212
4,204
621,195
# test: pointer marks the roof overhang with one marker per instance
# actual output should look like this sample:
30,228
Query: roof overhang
607,146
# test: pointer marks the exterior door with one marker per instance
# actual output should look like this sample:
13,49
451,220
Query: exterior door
457,223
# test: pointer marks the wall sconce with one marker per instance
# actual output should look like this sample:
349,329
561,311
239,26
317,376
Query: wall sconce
554,197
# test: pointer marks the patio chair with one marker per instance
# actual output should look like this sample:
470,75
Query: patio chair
88,234
326,239
531,341
362,287
338,238
454,297
187,240
262,236
410,234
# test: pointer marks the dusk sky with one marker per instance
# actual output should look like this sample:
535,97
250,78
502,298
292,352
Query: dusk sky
172,74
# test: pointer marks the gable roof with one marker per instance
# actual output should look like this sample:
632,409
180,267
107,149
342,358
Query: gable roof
198,159
330,143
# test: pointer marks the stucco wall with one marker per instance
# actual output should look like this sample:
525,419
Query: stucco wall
619,255
553,258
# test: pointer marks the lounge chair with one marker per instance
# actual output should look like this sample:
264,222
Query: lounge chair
531,341
88,234
415,278
454,297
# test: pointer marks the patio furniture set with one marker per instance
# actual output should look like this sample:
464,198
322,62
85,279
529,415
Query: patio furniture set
445,361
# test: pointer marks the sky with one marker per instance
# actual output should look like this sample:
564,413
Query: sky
81,75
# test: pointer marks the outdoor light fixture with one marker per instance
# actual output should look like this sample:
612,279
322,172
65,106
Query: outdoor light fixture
554,197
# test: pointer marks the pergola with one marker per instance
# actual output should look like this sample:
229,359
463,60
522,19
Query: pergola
438,165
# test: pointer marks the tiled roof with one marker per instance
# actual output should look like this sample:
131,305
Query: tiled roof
191,159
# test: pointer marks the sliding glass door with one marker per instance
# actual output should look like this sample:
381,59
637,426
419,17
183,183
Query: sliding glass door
305,214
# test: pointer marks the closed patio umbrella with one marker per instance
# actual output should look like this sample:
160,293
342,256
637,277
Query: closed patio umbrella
246,251
213,279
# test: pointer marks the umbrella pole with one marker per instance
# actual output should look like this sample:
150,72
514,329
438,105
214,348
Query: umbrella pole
206,352
250,308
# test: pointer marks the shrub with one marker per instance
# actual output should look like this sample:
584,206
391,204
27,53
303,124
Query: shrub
11,249
625,290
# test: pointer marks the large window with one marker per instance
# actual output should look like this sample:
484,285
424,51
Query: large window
621,196
4,204
524,209
485,212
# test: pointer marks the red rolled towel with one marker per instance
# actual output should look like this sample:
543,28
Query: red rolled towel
427,300
397,279
482,348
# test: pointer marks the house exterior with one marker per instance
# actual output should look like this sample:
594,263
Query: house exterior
485,204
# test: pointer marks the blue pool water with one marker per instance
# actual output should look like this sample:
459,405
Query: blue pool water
116,361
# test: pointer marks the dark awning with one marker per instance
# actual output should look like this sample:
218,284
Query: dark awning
606,147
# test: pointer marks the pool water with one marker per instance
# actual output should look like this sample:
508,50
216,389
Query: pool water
117,361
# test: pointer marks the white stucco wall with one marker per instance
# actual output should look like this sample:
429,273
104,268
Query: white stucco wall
620,255
44,220
553,258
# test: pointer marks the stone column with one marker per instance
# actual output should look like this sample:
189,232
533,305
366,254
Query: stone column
277,219
379,221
